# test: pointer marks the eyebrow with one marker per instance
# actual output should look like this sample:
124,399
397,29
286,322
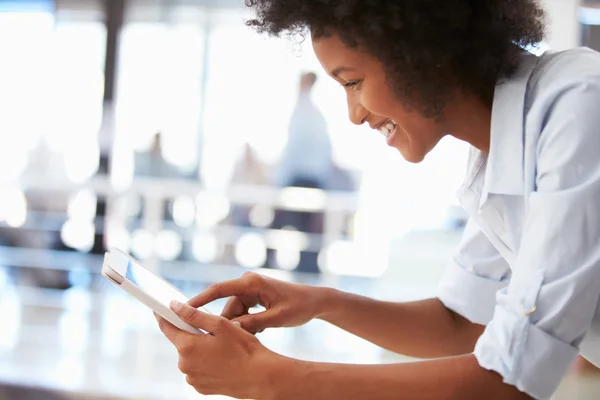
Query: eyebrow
336,72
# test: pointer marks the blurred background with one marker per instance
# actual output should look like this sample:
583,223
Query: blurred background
170,130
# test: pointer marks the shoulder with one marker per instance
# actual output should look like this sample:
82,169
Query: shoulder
563,112
579,62
562,84
557,72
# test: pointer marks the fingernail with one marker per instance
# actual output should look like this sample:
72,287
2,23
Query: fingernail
237,323
175,305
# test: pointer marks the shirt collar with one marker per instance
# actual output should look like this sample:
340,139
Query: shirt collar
504,171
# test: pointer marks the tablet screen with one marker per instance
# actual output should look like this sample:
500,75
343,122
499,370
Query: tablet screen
153,285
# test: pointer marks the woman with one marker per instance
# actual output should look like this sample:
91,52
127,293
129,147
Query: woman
519,300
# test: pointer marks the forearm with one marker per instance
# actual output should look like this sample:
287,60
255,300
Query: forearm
451,378
423,329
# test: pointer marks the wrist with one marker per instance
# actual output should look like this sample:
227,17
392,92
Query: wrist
278,376
327,301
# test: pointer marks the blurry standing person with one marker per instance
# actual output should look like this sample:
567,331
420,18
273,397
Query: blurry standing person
307,163
307,158
249,170
44,164
520,299
151,163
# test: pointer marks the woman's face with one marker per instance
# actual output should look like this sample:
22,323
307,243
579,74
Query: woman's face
372,101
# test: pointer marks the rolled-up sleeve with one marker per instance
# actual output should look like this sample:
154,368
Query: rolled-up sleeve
472,278
542,316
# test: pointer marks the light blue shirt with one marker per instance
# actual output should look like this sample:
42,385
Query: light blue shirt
528,265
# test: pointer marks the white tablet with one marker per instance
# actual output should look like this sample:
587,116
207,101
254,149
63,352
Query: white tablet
153,291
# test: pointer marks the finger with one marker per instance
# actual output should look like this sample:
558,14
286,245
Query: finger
234,308
196,318
246,285
258,322
171,332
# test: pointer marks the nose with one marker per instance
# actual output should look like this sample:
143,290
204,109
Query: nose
356,112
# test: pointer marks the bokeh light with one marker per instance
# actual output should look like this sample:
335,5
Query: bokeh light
251,250
205,247
78,234
168,245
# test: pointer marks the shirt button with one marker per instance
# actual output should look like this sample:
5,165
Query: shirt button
529,312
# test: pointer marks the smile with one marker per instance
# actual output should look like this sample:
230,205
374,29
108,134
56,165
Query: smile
387,128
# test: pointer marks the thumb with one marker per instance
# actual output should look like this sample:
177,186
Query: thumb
196,318
258,322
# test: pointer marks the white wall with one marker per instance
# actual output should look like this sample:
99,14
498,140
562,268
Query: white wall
564,29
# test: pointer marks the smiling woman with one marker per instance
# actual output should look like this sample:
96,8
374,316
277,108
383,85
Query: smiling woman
519,300
428,49
413,70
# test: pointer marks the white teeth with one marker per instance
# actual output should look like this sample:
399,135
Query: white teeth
387,129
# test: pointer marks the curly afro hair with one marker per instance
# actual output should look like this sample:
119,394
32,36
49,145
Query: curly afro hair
429,48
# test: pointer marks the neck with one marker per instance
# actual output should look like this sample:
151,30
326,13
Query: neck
470,119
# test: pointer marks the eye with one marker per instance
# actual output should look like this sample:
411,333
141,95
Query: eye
352,84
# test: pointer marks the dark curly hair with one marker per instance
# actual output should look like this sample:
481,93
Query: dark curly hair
429,48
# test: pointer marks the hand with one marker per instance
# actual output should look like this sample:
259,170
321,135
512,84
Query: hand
287,304
229,361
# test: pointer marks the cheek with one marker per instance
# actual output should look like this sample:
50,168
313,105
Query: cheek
378,101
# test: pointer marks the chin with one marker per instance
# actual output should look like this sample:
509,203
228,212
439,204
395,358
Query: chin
412,157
